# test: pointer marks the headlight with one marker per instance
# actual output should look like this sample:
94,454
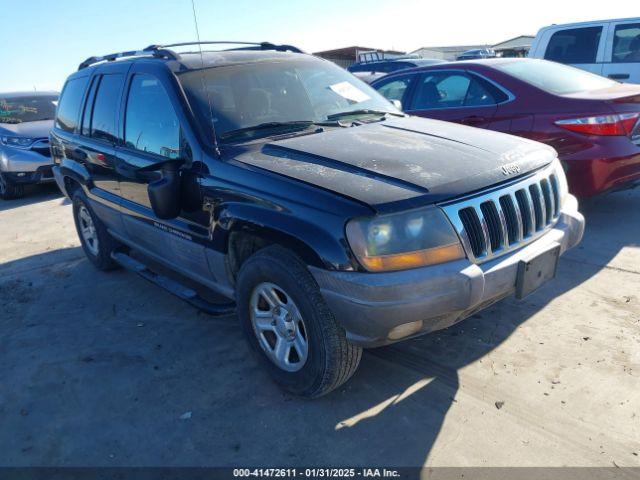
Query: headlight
18,142
404,240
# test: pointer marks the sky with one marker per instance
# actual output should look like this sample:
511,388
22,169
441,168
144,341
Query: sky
43,41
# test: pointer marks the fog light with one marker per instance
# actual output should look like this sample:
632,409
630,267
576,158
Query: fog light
405,330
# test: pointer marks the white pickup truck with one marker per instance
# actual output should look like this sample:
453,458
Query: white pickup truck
610,48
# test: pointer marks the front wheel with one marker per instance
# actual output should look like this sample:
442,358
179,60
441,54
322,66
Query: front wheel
290,326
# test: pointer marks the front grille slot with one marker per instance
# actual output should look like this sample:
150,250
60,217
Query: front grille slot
548,199
507,218
511,217
526,212
555,189
494,224
538,211
473,229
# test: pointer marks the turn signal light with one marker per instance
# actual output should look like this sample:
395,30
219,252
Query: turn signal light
402,261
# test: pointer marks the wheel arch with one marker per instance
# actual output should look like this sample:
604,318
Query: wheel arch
249,230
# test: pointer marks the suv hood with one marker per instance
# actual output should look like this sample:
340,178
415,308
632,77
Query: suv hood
401,162
39,129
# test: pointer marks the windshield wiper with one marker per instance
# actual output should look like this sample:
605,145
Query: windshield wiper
364,111
291,125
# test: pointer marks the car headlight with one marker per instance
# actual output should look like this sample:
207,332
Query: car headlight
404,240
18,142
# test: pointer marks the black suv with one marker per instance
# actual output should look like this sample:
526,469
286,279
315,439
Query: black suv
328,219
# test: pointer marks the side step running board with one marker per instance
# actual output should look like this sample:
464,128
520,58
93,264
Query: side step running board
185,293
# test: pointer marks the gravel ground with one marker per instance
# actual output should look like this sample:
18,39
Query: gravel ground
106,369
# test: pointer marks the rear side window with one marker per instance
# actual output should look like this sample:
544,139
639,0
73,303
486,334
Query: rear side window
626,43
575,45
69,105
151,123
105,106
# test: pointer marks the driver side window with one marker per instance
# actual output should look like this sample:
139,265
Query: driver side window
396,88
151,124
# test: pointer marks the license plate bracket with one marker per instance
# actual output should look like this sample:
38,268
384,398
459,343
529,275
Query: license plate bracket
536,271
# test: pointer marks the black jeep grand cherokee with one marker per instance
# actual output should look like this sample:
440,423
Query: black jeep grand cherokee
282,182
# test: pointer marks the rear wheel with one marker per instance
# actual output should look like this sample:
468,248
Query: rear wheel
290,326
9,190
97,243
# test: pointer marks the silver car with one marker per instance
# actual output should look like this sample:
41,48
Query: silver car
25,121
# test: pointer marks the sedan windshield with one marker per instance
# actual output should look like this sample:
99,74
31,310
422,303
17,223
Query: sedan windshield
27,108
276,93
554,77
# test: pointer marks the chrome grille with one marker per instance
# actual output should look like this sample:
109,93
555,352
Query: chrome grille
501,220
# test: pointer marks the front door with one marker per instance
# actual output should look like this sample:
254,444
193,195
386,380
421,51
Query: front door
455,96
152,134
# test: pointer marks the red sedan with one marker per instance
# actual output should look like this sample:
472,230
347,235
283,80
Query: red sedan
593,122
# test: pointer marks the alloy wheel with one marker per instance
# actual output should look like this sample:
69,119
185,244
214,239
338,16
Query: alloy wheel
88,230
279,327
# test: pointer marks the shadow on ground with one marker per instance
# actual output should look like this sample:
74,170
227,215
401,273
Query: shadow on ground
105,369
33,194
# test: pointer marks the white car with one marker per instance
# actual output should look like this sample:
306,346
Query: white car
610,48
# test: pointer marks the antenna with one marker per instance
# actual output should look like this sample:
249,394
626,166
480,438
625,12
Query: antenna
204,86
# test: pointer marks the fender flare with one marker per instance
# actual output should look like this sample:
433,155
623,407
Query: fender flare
316,246
76,172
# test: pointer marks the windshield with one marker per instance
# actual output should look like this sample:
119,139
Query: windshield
261,93
27,109
554,77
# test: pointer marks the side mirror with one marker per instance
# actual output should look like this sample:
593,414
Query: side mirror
397,104
165,193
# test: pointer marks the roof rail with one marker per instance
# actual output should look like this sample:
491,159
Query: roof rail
154,52
162,51
249,46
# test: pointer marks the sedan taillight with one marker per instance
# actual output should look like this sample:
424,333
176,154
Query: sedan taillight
618,124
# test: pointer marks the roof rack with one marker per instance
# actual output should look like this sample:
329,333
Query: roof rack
162,51
154,52
252,46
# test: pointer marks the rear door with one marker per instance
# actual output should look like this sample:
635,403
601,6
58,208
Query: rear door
99,134
582,47
623,51
455,96
153,133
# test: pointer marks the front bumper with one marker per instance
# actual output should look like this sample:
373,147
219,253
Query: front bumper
42,175
371,307
25,166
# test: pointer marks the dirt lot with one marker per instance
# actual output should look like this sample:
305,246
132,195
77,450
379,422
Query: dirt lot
106,369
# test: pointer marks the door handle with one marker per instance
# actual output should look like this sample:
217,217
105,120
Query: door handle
619,76
473,120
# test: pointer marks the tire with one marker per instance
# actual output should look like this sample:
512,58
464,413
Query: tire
99,245
329,361
9,190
